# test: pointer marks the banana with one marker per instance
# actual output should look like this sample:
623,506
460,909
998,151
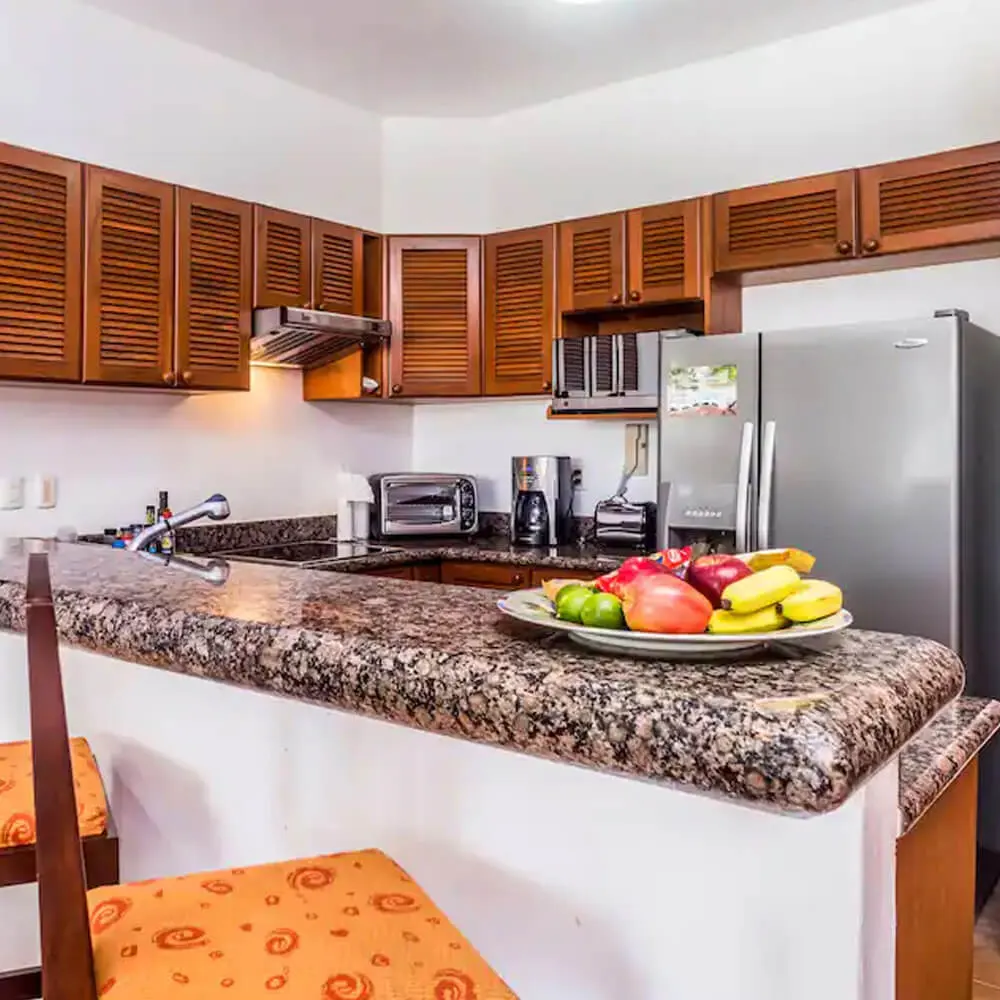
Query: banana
817,599
758,590
800,561
728,623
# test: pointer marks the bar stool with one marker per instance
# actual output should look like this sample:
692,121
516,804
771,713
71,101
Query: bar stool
337,927
18,829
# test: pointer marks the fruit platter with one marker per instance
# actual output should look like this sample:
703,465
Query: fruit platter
670,606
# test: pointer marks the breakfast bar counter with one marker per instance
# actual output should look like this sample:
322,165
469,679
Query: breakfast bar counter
289,712
794,734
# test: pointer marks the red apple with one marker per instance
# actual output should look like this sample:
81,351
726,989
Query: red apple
711,574
664,603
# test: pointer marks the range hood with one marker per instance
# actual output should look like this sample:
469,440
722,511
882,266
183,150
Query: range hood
286,337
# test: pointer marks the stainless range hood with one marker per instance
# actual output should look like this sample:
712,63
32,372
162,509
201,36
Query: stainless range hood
286,337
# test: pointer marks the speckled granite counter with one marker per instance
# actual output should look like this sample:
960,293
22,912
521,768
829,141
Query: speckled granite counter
797,734
936,755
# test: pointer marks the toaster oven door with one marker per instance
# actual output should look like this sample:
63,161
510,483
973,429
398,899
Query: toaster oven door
410,508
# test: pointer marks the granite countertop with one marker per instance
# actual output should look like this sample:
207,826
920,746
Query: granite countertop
796,734
936,755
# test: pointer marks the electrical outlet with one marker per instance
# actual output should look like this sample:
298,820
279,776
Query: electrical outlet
11,492
637,448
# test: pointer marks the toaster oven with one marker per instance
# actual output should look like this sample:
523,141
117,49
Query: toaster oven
421,504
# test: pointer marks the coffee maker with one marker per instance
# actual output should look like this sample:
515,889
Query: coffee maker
541,510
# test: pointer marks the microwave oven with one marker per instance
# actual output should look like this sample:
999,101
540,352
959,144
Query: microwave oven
417,504
608,372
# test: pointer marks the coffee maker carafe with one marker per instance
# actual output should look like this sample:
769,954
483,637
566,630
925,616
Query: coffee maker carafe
541,500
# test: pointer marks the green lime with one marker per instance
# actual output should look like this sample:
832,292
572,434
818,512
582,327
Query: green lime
569,587
602,611
570,600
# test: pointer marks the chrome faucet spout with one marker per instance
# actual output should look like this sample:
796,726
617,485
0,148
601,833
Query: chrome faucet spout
215,508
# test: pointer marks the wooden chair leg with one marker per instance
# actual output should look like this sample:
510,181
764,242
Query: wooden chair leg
100,856
23,984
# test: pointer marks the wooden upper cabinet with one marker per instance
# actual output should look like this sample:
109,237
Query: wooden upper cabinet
664,252
41,256
282,249
519,311
214,291
434,299
934,201
128,280
592,262
337,268
804,221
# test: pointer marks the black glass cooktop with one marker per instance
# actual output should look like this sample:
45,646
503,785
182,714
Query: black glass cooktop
304,553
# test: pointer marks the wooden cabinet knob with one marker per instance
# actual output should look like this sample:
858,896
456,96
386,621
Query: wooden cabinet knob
170,378
634,296
844,247
870,246
518,579
615,299
186,377
396,389
546,386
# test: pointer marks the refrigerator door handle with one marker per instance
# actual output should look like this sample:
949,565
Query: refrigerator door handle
766,485
743,489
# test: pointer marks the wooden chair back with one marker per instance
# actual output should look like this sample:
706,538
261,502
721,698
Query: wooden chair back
67,956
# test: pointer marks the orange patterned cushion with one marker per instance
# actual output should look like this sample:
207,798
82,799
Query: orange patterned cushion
338,927
17,793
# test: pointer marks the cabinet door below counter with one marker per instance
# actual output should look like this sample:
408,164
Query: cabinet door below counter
493,576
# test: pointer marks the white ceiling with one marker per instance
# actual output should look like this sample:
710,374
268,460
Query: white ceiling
481,57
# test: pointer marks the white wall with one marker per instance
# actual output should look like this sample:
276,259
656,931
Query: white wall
91,86
917,80
272,454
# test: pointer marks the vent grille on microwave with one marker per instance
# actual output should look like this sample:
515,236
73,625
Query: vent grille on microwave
603,348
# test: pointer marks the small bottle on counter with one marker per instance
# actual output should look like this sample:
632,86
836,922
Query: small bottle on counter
167,541
150,521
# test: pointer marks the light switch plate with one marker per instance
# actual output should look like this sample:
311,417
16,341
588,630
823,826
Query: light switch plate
11,492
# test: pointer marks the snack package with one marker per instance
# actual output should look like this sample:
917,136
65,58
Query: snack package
675,561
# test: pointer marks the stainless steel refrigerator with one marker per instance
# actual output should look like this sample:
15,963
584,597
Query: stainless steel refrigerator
876,447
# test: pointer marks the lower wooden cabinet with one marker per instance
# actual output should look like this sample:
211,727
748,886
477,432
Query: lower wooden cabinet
392,572
935,896
425,572
494,576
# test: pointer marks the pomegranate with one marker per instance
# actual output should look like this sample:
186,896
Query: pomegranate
663,603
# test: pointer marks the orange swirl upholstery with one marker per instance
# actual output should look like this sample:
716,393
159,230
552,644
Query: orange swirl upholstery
338,927
17,793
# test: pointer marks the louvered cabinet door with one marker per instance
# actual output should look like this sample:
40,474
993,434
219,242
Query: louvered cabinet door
434,300
934,201
519,311
41,257
663,253
283,273
214,291
592,262
336,256
128,280
804,221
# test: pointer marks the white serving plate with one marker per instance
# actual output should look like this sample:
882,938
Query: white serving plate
533,607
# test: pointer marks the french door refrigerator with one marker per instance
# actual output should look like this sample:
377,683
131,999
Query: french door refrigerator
875,447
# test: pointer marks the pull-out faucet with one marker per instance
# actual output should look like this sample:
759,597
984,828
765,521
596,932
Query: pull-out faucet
215,508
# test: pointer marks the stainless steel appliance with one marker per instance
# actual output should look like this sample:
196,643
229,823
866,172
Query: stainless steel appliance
608,372
541,500
285,337
619,521
876,448
423,503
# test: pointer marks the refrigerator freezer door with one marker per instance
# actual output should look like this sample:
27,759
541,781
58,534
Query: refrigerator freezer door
859,465
708,417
